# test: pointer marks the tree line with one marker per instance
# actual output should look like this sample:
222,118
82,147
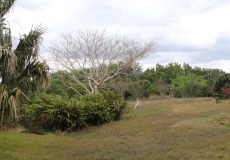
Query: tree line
181,81
174,80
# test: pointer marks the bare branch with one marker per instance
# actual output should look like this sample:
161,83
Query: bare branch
97,56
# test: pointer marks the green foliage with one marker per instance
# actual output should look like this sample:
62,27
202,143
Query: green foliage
51,112
139,88
57,87
164,79
189,86
102,107
223,81
217,98
160,80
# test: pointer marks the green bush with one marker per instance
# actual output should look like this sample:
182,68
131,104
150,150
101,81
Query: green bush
49,112
102,107
190,85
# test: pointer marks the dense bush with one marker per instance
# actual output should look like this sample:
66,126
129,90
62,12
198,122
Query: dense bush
189,86
223,81
49,112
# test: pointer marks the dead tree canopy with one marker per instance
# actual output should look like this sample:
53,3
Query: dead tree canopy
92,57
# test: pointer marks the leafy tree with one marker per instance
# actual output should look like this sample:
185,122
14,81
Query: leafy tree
161,86
122,82
20,70
120,85
172,70
187,69
211,75
223,81
161,78
57,86
138,88
190,85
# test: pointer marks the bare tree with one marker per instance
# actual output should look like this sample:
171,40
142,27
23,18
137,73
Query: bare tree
92,57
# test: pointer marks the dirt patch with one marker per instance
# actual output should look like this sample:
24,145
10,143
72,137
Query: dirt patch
227,120
223,121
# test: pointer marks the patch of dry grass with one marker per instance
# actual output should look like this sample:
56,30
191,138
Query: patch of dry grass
164,129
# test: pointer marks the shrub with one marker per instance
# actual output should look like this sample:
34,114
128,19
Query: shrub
49,112
102,107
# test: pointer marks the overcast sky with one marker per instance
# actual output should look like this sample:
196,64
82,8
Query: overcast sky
196,32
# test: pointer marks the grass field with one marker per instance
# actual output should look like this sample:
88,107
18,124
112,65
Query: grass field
168,129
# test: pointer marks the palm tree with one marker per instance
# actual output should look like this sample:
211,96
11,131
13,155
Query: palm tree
20,70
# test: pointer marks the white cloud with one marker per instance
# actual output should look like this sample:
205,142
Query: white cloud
191,31
220,64
31,5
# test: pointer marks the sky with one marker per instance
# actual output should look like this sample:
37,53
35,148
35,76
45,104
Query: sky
196,32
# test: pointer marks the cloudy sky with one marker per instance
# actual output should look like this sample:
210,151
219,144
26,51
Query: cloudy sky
187,31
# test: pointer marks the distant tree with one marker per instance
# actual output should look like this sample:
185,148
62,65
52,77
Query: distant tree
163,79
121,87
211,75
222,82
161,86
187,69
96,56
160,80
149,74
20,70
121,82
172,70
57,87
190,85
138,88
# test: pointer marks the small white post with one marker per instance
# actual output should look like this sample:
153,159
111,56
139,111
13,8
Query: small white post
137,105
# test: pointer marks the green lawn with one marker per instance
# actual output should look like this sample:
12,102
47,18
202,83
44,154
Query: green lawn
169,129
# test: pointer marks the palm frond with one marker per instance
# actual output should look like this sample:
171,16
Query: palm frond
7,63
13,107
28,47
34,76
10,102
5,6
3,101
